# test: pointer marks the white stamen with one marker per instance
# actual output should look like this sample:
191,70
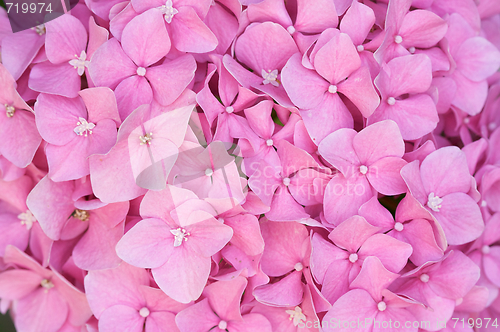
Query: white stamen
83,127
230,109
411,50
47,284
492,126
180,234
398,39
168,11
332,88
286,181
269,142
144,312
391,101
485,250
299,266
363,169
434,202
209,172
353,258
360,48
466,120
270,77
398,226
80,63
81,214
27,218
381,306
141,71
483,203
146,139
291,30
296,315
9,110
40,29
424,277
222,325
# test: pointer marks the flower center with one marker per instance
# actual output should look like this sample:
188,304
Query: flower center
399,226
81,214
269,142
209,172
483,203
381,306
291,30
391,101
80,63
47,284
466,120
40,29
168,11
398,39
434,202
299,266
230,109
332,88
146,139
141,71
222,325
180,234
144,312
270,77
485,250
286,181
296,315
492,126
424,277
363,169
83,127
411,50
353,258
9,110
27,218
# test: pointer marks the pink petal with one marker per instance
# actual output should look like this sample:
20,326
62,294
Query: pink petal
478,59
145,39
110,65
360,90
131,93
352,233
161,321
287,292
379,140
121,318
171,78
66,38
149,236
373,277
184,275
225,296
197,318
460,218
343,157
190,34
384,175
357,22
271,37
315,17
61,79
304,86
445,171
16,284
337,59
392,253
422,29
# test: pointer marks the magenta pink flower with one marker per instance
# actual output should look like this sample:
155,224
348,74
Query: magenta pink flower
133,68
65,47
336,265
337,69
440,185
76,129
121,298
175,241
220,311
45,300
16,116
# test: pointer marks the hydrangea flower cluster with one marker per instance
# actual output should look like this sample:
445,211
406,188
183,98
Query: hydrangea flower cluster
252,165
